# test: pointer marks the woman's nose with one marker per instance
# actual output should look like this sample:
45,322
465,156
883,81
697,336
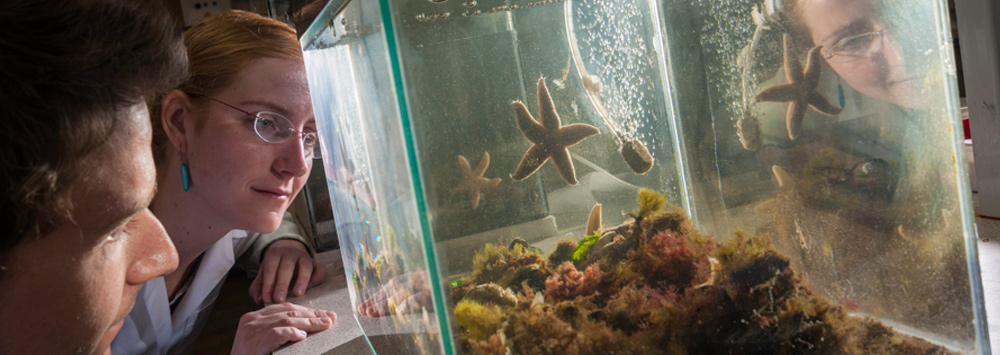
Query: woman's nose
293,160
153,253
890,55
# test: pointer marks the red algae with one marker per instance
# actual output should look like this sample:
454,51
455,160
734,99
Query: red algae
655,285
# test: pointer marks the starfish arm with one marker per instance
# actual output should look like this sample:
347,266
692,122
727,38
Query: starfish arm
462,186
771,206
483,164
474,196
546,109
529,127
796,114
532,160
594,221
562,161
494,182
781,176
813,67
574,133
821,104
777,93
793,69
463,164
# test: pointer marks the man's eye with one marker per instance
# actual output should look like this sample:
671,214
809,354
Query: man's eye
116,234
122,231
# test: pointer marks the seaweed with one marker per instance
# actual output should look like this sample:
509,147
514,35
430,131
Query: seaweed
568,283
650,202
655,285
512,267
581,249
477,320
564,252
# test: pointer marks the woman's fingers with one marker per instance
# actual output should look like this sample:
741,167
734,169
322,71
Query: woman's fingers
286,270
269,271
278,337
263,331
255,288
304,273
319,273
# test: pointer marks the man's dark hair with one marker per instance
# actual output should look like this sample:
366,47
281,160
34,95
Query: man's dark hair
69,72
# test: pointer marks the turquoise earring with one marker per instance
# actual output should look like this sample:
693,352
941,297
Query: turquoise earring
840,93
185,177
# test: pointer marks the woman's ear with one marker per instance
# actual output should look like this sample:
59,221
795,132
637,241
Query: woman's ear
177,118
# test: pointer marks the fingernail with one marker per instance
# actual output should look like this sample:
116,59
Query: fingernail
302,332
280,296
332,314
325,320
300,290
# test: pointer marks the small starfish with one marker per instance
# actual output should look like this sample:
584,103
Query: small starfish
473,180
594,221
800,91
550,138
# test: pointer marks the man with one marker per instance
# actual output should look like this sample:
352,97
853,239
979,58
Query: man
77,240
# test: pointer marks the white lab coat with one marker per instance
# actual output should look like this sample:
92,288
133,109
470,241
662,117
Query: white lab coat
151,329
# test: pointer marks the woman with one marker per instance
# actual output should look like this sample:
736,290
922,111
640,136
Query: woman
858,45
858,41
887,208
234,145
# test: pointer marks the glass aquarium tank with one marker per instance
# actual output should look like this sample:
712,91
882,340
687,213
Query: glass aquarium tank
648,177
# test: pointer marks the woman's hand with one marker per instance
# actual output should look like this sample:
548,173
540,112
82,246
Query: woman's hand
406,293
263,331
283,260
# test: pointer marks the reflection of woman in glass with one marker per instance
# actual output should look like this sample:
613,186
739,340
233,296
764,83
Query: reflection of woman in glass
859,42
910,236
857,46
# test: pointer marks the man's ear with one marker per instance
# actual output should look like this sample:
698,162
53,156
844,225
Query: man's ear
177,118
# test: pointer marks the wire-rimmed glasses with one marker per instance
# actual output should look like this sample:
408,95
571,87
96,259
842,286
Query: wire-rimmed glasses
275,128
852,48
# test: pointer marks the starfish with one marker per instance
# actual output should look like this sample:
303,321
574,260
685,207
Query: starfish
550,138
800,91
594,221
473,180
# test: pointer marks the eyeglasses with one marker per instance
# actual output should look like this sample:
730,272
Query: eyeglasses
853,48
274,128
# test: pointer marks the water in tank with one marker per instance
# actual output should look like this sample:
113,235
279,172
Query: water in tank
648,177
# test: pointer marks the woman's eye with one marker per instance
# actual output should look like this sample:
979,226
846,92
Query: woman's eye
856,44
853,44
310,139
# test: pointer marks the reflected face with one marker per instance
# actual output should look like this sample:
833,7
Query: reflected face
68,292
246,182
880,72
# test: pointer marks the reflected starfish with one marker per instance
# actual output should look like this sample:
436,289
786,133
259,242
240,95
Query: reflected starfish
473,180
550,138
800,91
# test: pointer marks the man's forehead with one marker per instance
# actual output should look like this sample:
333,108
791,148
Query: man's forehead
122,180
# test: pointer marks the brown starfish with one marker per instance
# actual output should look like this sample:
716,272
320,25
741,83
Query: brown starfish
473,180
550,138
594,221
800,91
